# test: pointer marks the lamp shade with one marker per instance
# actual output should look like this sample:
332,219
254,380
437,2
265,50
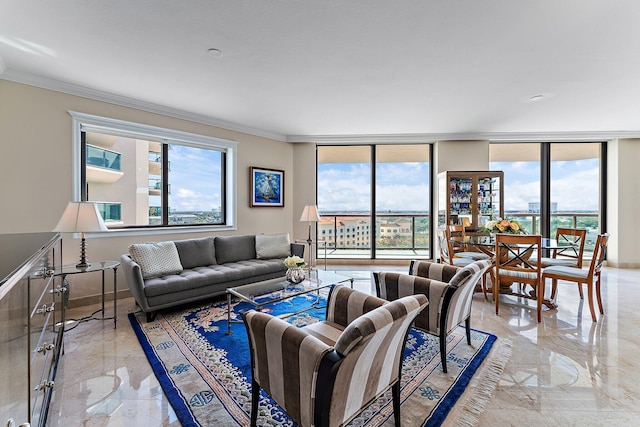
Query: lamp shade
310,214
81,217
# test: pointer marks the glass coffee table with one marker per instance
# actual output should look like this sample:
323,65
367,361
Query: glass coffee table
260,294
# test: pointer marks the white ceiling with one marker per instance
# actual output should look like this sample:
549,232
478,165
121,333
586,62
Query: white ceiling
301,68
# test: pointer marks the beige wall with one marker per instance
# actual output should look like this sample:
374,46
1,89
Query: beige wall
304,186
461,156
623,202
36,175
36,171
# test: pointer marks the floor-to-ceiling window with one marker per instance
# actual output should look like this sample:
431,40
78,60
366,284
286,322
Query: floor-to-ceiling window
553,184
521,166
375,200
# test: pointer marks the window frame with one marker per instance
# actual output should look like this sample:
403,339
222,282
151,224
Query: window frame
545,159
82,122
376,252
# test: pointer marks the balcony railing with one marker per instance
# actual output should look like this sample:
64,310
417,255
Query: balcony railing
110,211
400,236
103,158
587,220
403,236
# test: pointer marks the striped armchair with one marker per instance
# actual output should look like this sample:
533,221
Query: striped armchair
325,373
449,290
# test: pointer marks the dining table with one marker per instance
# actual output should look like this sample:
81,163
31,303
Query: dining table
486,243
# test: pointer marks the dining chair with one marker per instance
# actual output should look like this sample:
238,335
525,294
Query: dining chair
447,254
457,236
514,266
590,277
570,248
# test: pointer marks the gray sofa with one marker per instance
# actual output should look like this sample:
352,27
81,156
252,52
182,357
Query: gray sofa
166,274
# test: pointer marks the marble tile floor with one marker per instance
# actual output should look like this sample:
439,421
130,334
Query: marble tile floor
565,371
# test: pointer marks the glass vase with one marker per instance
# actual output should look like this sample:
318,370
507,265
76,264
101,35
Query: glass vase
295,275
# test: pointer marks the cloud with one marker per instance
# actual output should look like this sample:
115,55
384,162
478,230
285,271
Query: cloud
347,187
195,179
184,199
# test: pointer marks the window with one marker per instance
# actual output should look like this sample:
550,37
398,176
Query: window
147,177
379,192
573,174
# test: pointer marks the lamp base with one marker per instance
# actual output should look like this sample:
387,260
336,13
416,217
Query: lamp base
83,254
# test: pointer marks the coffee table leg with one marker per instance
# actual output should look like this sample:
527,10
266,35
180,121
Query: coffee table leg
228,313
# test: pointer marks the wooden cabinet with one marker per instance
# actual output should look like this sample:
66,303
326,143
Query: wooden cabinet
471,198
31,325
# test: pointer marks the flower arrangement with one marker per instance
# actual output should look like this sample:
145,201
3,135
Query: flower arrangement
510,226
294,262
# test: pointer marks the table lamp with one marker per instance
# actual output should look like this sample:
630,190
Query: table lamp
81,217
310,214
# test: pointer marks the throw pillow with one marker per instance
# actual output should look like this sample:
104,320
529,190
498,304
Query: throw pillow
196,252
235,248
273,246
156,259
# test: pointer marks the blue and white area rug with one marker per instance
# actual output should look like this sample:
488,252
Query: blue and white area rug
206,374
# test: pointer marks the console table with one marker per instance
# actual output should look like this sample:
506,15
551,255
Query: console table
31,331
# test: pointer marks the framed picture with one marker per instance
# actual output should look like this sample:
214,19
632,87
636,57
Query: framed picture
267,187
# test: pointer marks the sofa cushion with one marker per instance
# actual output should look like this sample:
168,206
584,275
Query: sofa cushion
273,246
196,252
235,248
156,259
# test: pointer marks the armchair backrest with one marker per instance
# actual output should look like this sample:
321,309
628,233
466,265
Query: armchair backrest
458,298
344,305
448,289
371,348
432,270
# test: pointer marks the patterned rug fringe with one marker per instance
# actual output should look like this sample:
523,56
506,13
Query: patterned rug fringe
480,394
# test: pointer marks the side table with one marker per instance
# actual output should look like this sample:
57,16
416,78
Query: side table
101,266
315,242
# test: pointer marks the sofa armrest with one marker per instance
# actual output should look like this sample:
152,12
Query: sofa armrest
133,274
297,249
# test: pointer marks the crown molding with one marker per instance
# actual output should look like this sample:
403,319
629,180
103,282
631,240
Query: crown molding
72,89
567,136
412,138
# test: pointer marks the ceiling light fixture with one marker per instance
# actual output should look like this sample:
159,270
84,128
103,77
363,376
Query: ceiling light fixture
216,53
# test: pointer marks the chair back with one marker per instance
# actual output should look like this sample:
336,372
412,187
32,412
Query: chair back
432,270
599,254
456,305
371,348
456,230
444,242
574,239
513,252
456,238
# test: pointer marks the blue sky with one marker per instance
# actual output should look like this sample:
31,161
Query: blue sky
403,186
574,184
195,178
345,187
